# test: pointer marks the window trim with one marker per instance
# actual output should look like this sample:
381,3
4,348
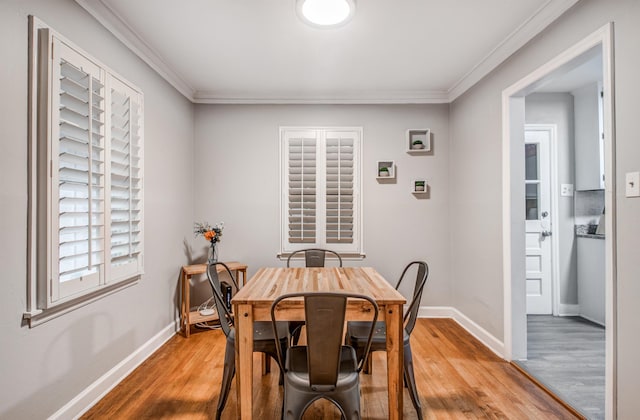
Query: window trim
39,306
358,254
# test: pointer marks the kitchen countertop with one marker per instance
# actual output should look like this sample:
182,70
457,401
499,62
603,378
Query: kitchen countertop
590,235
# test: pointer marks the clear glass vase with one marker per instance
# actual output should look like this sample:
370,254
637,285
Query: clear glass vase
213,253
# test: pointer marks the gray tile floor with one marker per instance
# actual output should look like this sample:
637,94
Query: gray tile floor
567,354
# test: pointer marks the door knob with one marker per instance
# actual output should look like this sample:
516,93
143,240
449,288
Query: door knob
545,213
546,233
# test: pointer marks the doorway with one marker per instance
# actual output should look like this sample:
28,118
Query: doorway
515,195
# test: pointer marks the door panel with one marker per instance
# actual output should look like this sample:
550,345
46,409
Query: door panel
537,219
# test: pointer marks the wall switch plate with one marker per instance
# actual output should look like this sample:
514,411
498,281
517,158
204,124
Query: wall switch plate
632,184
566,190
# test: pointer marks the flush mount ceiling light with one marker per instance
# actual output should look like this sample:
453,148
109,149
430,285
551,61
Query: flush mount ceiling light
325,13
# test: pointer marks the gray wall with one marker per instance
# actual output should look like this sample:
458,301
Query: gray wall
476,150
557,108
231,174
237,179
43,368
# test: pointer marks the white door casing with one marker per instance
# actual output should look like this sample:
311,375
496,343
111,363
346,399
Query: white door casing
515,321
538,222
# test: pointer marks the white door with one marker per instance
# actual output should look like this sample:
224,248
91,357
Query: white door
538,221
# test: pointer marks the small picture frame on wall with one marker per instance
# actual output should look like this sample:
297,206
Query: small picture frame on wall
419,186
418,140
385,169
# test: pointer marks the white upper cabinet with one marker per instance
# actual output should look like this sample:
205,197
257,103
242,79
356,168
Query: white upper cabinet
589,142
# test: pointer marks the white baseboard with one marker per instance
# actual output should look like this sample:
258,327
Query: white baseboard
94,392
565,309
592,320
574,310
465,322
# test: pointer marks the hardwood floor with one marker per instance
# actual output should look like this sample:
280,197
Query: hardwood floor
567,355
457,377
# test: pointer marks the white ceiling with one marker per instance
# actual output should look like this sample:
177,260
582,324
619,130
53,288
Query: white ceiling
582,71
258,51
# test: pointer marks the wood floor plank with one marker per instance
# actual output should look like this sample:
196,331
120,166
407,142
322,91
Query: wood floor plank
457,378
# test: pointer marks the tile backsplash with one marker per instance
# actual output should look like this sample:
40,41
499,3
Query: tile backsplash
589,205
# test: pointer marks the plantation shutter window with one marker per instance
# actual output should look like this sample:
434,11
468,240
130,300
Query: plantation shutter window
301,187
320,185
126,180
339,188
78,175
85,178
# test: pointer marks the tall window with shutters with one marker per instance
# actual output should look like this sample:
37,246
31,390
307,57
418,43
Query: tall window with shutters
86,176
320,185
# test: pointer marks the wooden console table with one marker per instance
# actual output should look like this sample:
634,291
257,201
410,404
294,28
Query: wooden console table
189,317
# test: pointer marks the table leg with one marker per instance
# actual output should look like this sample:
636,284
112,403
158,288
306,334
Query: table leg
393,319
244,360
186,304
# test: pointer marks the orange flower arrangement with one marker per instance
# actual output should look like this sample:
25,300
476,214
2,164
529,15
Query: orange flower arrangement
212,234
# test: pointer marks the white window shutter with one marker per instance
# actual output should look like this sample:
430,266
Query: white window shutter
301,186
125,182
340,187
77,157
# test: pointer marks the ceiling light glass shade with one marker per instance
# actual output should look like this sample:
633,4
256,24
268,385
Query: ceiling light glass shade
326,13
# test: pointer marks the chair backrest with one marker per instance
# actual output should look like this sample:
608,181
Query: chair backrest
324,317
421,279
226,319
315,257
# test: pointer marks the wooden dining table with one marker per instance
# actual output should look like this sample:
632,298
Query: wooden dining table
253,303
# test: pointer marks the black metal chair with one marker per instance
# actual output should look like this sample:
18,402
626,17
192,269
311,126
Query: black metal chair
263,338
313,257
357,332
324,367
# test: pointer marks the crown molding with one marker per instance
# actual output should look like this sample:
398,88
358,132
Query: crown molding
542,18
359,98
524,33
130,38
